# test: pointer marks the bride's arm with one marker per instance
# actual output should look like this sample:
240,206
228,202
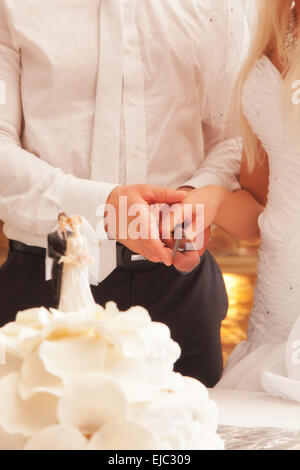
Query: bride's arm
85,252
238,214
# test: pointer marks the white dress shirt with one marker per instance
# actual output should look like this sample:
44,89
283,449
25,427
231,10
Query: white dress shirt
106,92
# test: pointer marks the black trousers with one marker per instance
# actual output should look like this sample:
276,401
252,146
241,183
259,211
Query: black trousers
57,271
192,305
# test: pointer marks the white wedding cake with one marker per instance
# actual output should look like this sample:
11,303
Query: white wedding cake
98,380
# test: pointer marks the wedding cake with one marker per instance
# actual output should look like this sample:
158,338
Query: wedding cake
99,379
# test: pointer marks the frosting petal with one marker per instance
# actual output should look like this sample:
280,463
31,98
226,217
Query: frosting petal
11,364
35,378
89,401
26,417
123,435
68,357
11,441
58,438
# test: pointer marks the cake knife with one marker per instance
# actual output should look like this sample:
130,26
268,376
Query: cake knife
178,240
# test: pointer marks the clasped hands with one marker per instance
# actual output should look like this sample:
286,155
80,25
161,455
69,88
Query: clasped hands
155,244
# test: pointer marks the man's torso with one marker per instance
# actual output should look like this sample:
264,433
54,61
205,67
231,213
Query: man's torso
166,40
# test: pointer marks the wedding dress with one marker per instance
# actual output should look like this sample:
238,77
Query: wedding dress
75,290
277,295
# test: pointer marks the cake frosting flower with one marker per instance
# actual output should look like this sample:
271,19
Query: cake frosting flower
100,379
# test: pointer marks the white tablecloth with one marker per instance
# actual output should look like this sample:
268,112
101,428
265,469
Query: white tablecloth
254,410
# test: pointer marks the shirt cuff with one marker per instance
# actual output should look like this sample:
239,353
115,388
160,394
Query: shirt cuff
86,198
210,179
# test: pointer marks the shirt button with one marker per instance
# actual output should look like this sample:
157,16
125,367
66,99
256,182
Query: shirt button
134,101
129,48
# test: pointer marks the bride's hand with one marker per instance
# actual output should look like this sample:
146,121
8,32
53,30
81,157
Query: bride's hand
67,259
89,260
85,258
197,229
211,198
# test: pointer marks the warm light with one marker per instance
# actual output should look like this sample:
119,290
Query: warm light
232,282
234,327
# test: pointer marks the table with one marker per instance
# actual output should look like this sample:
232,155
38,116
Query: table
237,438
257,421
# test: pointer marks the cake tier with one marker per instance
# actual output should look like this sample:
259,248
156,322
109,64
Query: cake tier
100,379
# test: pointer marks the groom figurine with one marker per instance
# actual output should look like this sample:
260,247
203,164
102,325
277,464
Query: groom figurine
57,244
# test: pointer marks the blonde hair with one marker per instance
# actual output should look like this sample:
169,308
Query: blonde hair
271,28
75,218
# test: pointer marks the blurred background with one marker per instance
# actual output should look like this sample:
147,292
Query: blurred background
237,260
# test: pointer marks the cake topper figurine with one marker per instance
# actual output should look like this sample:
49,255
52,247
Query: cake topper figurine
57,244
75,293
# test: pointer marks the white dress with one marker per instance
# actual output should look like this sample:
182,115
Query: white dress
75,290
277,295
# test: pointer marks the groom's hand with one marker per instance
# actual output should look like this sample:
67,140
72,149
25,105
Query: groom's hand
187,261
125,204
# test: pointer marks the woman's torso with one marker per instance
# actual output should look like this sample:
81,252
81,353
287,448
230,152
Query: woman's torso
277,295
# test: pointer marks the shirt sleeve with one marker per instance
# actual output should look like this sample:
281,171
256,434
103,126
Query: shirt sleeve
32,192
220,115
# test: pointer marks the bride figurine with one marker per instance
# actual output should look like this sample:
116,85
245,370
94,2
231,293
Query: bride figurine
75,290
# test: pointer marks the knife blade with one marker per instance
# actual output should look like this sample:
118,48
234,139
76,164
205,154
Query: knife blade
178,237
